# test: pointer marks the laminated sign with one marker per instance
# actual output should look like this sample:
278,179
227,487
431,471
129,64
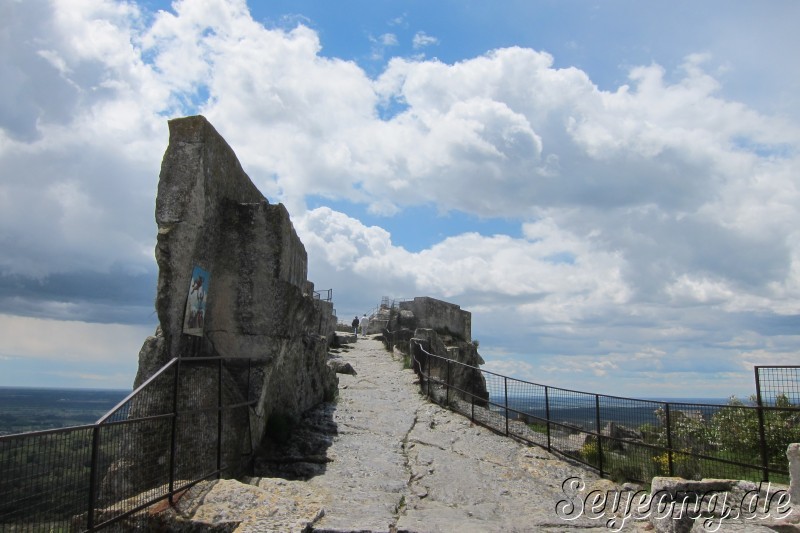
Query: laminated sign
196,302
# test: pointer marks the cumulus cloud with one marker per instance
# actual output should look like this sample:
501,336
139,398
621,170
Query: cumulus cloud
652,217
76,149
111,344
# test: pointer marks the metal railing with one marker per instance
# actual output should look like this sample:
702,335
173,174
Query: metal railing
325,296
166,436
387,303
777,384
623,438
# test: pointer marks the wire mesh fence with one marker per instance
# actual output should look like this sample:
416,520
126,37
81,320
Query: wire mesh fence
628,438
164,437
44,478
777,385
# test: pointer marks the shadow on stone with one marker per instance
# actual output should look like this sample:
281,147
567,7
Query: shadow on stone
297,450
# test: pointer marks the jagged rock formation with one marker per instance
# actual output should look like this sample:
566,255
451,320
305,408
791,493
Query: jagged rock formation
439,328
210,214
258,302
445,318
461,377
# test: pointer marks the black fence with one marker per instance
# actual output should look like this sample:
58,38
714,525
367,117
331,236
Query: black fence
166,436
623,438
777,385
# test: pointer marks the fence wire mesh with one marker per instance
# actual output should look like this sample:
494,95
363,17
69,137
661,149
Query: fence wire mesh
778,385
44,479
167,435
628,438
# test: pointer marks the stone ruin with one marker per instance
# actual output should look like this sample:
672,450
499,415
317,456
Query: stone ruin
255,301
440,328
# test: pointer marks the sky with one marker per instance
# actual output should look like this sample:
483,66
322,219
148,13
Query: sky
611,188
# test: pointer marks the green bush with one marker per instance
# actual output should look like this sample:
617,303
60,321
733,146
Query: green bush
683,465
622,471
735,430
591,452
538,427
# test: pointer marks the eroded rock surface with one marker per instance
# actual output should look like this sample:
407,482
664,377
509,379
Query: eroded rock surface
254,306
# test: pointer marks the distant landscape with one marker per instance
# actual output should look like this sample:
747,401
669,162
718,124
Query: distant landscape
25,409
582,412
32,409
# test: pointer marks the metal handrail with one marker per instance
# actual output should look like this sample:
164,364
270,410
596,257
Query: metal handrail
74,497
328,295
103,419
603,442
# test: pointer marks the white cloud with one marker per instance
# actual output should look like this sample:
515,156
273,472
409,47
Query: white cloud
512,368
652,216
421,40
388,39
553,271
66,341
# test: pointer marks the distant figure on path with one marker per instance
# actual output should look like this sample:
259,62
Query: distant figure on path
364,325
355,325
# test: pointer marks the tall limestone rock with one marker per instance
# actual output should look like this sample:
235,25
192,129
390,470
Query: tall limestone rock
260,303
256,301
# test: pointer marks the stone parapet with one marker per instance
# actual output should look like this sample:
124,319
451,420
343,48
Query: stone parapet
440,316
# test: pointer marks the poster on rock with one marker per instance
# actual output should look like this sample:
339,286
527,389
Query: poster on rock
196,302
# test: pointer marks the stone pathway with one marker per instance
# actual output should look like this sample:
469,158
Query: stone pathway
400,463
383,459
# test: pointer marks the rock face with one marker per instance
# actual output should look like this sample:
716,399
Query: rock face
442,317
258,302
442,329
462,377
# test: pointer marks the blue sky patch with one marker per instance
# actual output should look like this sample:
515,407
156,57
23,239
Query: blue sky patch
420,227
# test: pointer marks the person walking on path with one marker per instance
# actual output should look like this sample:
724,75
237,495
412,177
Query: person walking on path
364,325
355,325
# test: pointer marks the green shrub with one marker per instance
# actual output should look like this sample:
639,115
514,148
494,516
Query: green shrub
735,430
683,465
538,427
591,452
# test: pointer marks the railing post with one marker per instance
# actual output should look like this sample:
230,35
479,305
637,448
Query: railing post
428,375
505,393
599,434
447,385
669,439
249,418
472,395
762,437
547,414
219,418
174,436
93,476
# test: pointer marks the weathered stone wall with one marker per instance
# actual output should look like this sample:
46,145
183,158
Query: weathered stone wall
442,329
327,319
464,376
440,316
259,302
210,214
